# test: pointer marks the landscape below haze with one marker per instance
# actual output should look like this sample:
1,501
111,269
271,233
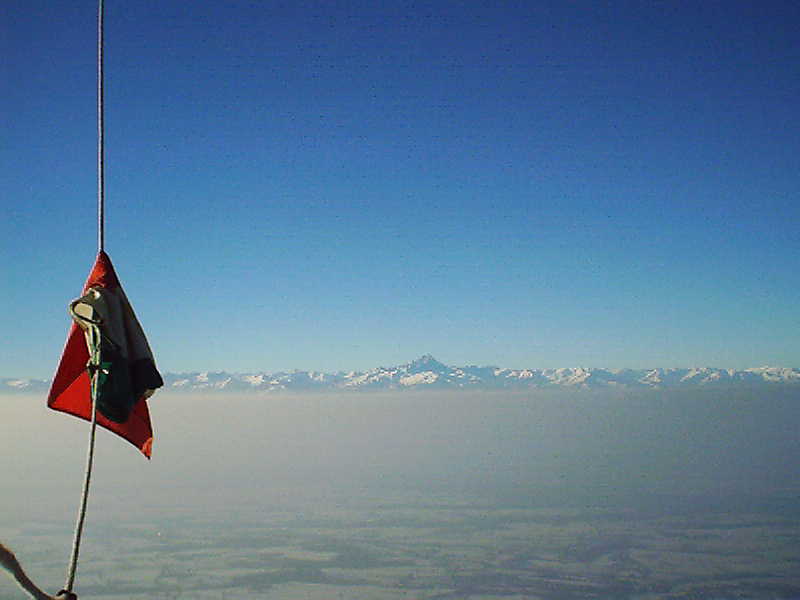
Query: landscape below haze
554,494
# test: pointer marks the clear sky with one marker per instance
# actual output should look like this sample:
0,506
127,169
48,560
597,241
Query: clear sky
342,185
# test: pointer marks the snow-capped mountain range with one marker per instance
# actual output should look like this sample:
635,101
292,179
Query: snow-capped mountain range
428,373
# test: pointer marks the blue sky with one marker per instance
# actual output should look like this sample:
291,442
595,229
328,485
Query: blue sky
343,185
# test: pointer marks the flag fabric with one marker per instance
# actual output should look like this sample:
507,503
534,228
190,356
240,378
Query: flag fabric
105,330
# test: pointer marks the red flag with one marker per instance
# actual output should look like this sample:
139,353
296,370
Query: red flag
71,388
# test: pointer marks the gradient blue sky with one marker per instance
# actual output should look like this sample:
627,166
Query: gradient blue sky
341,185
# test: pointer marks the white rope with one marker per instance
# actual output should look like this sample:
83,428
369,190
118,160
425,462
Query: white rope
101,194
76,542
93,338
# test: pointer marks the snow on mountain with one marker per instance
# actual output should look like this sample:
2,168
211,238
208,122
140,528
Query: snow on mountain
428,373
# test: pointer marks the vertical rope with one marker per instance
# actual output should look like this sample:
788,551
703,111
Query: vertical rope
101,184
76,542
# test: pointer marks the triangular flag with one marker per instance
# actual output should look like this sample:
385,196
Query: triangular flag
131,371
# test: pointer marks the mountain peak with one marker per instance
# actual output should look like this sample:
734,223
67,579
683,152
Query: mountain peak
426,362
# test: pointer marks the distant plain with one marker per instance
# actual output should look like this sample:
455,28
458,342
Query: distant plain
553,495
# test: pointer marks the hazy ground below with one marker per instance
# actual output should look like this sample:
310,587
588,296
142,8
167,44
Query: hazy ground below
560,495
